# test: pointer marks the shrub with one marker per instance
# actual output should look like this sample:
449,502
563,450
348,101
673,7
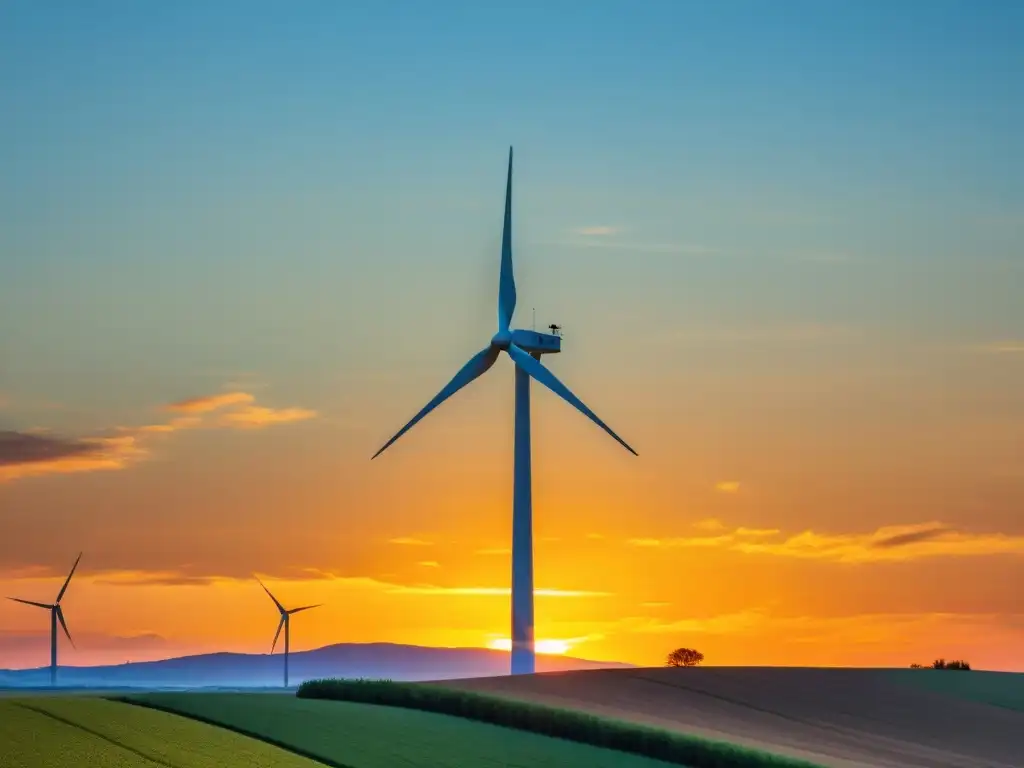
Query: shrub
959,664
679,748
684,657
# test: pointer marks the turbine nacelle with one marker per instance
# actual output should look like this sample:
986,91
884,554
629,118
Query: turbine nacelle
536,343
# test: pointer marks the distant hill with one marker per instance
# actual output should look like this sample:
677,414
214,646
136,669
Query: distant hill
231,670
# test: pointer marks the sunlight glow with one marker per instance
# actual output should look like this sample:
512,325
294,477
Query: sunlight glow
550,647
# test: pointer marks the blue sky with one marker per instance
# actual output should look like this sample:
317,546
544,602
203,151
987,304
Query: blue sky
784,241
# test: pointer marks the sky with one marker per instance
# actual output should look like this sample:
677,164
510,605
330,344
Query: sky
242,243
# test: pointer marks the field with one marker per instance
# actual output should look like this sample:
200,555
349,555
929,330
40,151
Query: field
835,717
55,732
367,736
842,718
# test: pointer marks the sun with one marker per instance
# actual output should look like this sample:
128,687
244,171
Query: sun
547,647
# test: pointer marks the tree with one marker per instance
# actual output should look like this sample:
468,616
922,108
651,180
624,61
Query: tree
957,664
684,657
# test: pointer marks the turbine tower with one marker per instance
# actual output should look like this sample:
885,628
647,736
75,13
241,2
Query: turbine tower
525,348
56,614
285,622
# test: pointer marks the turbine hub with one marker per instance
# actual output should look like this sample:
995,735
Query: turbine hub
501,339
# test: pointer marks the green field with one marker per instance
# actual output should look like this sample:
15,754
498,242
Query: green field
370,736
53,732
999,689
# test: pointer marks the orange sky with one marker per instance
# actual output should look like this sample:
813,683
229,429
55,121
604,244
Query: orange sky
692,543
237,253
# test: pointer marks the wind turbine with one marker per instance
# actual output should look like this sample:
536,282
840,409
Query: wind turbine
525,348
286,617
56,614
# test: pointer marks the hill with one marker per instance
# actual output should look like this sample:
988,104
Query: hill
237,670
846,718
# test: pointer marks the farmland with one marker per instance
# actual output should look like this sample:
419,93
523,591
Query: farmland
889,718
368,736
54,732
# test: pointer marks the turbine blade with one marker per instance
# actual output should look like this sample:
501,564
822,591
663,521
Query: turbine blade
31,602
278,633
534,367
304,608
507,284
477,365
60,618
279,606
68,581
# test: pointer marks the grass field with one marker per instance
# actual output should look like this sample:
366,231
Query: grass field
369,736
53,732
564,723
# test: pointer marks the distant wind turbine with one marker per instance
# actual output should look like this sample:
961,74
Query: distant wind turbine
56,614
285,622
525,348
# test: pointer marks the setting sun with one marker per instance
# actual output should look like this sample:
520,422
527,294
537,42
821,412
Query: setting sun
550,647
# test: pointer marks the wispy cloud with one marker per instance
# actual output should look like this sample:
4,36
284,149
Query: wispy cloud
256,416
721,624
599,231
636,246
428,589
1007,347
207,403
33,453
494,551
728,486
429,564
409,541
152,579
896,543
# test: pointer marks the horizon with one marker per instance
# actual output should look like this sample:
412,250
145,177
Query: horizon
240,248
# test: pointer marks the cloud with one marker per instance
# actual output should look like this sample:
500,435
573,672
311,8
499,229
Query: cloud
722,624
36,452
409,541
24,454
728,486
601,231
636,247
429,564
896,543
428,589
255,416
495,551
208,403
152,579
595,536
1008,347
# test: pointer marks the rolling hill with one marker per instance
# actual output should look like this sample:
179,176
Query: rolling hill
842,718
237,670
